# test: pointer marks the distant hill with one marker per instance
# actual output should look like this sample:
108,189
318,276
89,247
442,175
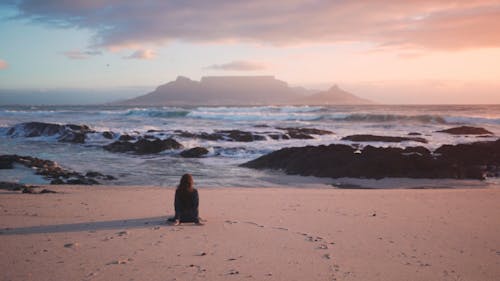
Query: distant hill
334,95
239,90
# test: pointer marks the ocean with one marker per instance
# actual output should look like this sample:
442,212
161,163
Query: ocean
220,166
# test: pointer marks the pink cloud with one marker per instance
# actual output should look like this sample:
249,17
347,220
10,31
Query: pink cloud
3,64
142,54
436,24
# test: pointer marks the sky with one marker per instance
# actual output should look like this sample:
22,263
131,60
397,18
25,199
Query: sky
387,51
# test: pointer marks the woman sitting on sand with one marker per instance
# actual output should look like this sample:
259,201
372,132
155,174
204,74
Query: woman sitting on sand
186,201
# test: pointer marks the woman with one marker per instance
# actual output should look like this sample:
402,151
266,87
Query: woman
186,201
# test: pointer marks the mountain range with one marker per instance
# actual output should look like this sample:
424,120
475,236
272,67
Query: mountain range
240,90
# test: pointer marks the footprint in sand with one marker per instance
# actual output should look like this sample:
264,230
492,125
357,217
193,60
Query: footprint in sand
123,233
120,261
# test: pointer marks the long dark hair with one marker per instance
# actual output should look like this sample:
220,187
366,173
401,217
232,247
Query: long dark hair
186,183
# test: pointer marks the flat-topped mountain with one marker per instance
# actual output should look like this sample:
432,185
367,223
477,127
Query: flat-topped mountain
240,90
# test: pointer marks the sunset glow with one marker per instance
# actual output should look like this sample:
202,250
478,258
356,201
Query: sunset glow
106,44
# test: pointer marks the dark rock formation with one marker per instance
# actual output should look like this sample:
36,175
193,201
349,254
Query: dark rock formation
276,136
304,133
47,191
126,138
65,133
473,161
24,188
97,175
414,134
51,170
194,152
13,186
225,135
202,135
466,130
108,134
244,136
6,163
143,146
373,138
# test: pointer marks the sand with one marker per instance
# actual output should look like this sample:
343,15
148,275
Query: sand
119,233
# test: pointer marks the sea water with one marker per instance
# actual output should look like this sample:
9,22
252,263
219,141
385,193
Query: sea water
221,166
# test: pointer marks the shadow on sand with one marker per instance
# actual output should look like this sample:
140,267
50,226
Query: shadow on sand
88,226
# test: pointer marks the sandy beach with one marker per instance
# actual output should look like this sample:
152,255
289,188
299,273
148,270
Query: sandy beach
120,233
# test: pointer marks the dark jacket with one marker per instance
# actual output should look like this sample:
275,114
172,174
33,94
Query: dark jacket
186,206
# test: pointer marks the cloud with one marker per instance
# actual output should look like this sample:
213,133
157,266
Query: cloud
142,55
237,66
3,64
430,24
80,55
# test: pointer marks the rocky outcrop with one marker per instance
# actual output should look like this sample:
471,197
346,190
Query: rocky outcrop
143,146
245,136
64,133
375,138
52,171
24,188
108,134
126,138
196,152
304,133
466,130
463,161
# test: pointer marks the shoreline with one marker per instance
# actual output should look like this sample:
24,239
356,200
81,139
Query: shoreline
117,233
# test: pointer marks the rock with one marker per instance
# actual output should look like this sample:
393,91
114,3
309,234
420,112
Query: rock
143,146
49,169
82,180
245,136
93,174
303,133
44,191
374,138
6,162
194,152
12,186
472,161
466,130
66,133
224,135
126,138
57,181
279,136
119,146
108,135
241,136
28,189
73,137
